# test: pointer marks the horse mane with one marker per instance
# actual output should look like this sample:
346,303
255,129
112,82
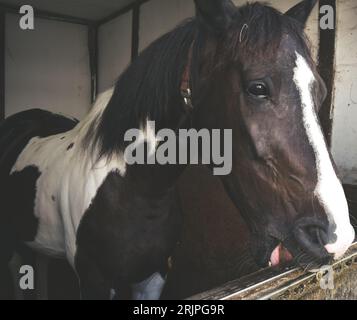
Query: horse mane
149,89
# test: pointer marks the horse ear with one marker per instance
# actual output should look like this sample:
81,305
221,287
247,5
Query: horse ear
302,11
215,14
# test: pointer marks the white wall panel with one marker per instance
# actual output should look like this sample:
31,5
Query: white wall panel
160,16
344,134
47,67
114,50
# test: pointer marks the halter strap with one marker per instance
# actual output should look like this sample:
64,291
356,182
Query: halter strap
186,91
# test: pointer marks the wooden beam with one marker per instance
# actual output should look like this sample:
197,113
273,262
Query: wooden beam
2,65
48,15
326,68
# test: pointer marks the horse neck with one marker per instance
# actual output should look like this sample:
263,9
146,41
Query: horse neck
151,178
158,177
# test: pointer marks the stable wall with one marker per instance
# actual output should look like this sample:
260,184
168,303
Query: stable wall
114,43
47,67
160,16
344,134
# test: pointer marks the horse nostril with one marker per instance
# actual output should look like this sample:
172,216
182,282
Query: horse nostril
312,236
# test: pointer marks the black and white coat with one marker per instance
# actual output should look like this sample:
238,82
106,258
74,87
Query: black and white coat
86,211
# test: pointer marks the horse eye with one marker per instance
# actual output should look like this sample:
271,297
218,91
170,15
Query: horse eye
258,90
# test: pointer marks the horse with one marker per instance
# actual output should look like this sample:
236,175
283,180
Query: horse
67,191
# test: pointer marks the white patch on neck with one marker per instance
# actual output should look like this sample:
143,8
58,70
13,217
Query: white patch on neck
328,190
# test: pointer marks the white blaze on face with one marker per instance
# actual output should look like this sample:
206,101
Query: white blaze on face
329,189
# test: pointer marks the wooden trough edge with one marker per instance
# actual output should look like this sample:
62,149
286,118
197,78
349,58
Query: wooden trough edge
291,283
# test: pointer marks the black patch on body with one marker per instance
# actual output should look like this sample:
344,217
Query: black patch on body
126,236
18,191
20,202
70,146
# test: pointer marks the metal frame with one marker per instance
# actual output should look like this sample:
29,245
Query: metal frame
290,284
130,7
93,59
135,41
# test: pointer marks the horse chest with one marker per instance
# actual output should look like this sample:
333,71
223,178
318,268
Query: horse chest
63,182
130,235
81,205
130,249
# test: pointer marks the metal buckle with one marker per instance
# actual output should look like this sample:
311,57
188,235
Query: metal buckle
187,97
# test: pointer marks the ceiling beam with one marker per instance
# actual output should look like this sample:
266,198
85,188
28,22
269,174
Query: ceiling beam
126,9
48,15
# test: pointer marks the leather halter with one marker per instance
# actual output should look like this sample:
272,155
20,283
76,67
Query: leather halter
186,91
